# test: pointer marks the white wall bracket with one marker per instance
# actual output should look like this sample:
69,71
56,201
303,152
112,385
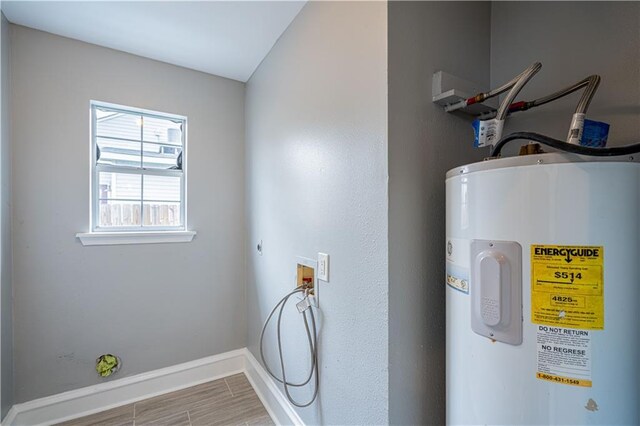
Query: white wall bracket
448,90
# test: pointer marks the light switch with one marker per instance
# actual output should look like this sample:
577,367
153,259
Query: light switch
323,266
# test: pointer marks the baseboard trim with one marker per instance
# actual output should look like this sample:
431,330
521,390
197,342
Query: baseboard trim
10,418
279,408
93,399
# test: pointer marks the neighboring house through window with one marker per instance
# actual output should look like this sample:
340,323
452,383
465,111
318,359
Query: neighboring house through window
138,169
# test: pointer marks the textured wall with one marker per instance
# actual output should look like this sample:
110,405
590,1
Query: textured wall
6,294
425,142
572,40
317,181
154,305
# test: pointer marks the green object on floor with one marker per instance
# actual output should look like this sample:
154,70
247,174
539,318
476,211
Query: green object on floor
106,365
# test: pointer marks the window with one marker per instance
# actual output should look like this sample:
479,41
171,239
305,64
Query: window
138,170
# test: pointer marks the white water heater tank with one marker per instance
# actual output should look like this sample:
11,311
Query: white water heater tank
543,291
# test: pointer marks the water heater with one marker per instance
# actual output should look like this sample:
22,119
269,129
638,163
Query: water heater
543,291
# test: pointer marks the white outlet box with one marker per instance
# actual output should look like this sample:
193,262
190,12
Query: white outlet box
323,267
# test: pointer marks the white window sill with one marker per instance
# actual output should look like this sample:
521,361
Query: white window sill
147,237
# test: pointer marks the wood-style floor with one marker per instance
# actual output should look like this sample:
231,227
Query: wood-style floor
228,401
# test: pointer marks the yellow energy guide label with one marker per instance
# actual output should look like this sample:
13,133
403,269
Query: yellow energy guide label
567,286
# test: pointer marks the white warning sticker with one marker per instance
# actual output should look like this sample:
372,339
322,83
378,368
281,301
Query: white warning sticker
458,278
564,355
457,252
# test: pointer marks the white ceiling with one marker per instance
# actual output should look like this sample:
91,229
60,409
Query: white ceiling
226,38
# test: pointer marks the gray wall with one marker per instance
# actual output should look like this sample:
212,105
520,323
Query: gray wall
154,305
572,40
316,147
425,142
6,294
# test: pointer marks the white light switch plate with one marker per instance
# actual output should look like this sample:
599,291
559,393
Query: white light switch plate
323,267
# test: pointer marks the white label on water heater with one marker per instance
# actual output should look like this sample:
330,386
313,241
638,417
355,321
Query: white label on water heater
457,255
457,252
564,355
458,277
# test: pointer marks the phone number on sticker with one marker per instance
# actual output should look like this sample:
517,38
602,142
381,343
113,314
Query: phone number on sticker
563,380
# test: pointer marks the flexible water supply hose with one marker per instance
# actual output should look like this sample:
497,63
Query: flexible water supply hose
564,146
591,83
577,121
521,80
312,336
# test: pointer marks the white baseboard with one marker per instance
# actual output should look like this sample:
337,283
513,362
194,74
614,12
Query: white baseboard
272,398
93,399
10,418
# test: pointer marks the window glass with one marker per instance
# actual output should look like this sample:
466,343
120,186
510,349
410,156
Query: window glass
139,171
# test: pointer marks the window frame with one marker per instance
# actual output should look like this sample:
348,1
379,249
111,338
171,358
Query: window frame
141,171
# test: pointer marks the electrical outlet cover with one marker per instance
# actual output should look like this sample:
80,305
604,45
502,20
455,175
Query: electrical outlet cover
323,267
